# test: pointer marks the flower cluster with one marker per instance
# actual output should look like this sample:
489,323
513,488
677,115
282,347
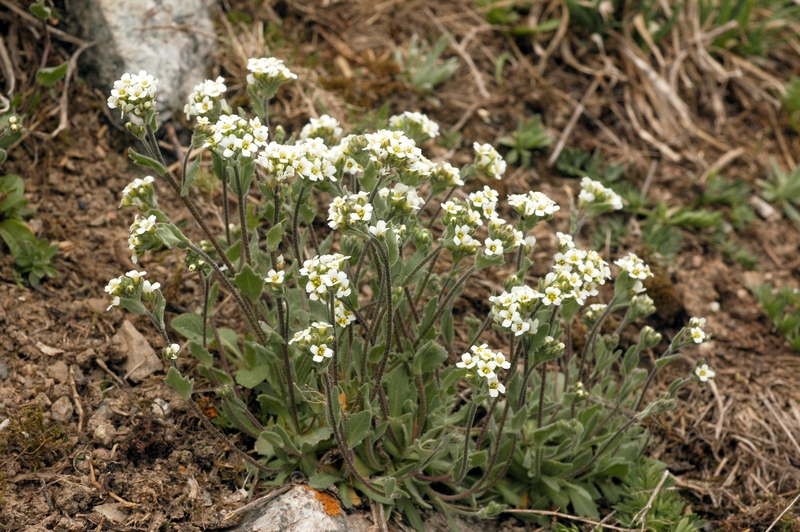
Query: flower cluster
316,338
696,331
268,70
533,205
594,194
233,136
134,93
485,202
346,212
511,310
325,127
205,98
505,234
402,198
485,361
342,315
488,161
416,125
139,192
142,236
636,270
444,175
393,149
576,274
309,159
130,285
324,274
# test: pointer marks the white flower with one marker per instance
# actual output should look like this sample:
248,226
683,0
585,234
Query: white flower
275,278
321,352
486,369
493,247
704,373
135,276
149,288
113,286
593,192
114,303
171,352
268,69
495,387
697,334
552,296
379,229
466,361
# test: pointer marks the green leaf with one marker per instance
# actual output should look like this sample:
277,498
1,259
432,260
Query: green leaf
133,306
323,481
3,155
202,354
143,160
357,427
484,261
191,175
250,378
376,353
182,385
389,487
477,459
51,75
158,308
15,233
369,178
448,328
40,11
274,237
581,501
170,235
189,325
249,282
663,361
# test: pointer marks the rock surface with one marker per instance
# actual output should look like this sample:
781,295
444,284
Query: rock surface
301,509
62,410
170,39
141,361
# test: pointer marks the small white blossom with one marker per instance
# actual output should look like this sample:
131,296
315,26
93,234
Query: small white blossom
275,278
704,373
171,351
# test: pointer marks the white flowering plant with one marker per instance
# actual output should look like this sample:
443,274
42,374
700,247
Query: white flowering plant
348,367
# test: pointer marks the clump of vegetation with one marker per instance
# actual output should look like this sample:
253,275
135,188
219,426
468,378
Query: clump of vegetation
349,369
33,440
421,66
530,135
783,189
782,307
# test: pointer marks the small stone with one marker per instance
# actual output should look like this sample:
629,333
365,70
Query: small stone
104,434
159,408
58,371
3,371
141,361
80,378
113,512
61,410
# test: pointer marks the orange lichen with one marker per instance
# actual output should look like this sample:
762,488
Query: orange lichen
329,502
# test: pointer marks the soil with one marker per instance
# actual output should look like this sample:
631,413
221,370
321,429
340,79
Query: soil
131,456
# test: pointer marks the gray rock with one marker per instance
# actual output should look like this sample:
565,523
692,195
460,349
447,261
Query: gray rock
104,434
62,410
3,371
170,39
299,510
140,359
58,371
114,512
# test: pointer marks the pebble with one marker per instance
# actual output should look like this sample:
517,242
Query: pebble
58,371
3,371
141,361
62,410
104,434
